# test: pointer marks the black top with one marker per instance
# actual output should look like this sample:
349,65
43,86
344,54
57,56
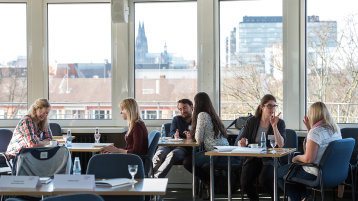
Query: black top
179,123
250,132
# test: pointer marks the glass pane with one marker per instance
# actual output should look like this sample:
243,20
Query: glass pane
13,61
79,38
332,57
250,55
165,56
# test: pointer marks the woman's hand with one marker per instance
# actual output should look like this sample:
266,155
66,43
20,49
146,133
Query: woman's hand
306,121
187,134
110,149
176,135
242,142
274,120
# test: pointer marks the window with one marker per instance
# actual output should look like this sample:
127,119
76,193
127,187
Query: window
165,56
13,60
250,55
79,52
332,58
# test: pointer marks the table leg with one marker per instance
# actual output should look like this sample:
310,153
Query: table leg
211,179
193,170
275,196
229,178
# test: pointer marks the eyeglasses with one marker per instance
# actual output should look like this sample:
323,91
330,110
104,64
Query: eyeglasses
270,106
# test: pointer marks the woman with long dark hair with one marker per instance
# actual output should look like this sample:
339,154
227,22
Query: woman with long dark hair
208,130
265,121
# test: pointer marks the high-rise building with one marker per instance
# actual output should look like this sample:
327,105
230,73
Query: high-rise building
260,38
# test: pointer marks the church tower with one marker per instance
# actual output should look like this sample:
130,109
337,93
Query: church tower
141,45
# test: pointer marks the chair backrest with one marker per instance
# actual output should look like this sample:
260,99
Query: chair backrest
56,129
238,136
75,197
352,133
291,139
334,163
153,139
5,137
166,129
42,161
115,165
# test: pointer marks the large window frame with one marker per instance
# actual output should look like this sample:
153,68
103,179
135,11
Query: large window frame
122,37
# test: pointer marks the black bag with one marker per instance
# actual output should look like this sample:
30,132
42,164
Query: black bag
240,122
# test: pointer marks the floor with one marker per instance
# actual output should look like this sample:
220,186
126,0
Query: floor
185,195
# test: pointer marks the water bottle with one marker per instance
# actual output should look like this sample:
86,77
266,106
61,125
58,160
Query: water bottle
263,140
69,138
77,166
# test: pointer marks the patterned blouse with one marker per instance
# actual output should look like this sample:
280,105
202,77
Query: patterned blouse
25,136
204,133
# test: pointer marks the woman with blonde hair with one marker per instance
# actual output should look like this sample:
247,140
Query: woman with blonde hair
137,134
32,130
321,130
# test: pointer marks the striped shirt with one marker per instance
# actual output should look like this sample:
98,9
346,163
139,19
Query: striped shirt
25,136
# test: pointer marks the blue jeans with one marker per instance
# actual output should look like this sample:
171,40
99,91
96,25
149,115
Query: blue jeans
295,191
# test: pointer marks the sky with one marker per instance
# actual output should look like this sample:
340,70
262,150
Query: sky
83,34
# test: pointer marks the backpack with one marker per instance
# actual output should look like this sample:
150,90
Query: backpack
240,122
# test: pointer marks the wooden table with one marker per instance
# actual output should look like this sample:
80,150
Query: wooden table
147,186
183,143
279,153
60,139
88,147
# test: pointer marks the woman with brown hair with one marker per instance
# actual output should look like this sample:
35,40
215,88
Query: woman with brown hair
206,128
137,134
32,130
266,122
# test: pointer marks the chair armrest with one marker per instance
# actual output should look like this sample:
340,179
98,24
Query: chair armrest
297,163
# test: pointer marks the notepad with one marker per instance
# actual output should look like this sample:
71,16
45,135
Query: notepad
114,182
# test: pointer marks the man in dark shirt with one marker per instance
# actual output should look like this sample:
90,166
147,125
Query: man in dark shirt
165,157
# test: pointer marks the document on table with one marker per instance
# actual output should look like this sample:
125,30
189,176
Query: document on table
248,150
225,148
114,182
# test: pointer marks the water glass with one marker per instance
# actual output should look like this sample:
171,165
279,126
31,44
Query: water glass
273,145
64,137
132,171
97,136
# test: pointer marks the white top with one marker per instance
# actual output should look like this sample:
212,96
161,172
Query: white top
205,133
322,136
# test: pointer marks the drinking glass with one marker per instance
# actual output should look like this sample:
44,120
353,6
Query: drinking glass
132,171
97,136
64,137
273,145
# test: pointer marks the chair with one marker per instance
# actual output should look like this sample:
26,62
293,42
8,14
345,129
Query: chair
352,133
153,139
75,197
107,166
333,168
56,129
5,137
42,161
166,129
291,142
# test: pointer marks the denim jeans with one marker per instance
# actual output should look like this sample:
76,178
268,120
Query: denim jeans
295,191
